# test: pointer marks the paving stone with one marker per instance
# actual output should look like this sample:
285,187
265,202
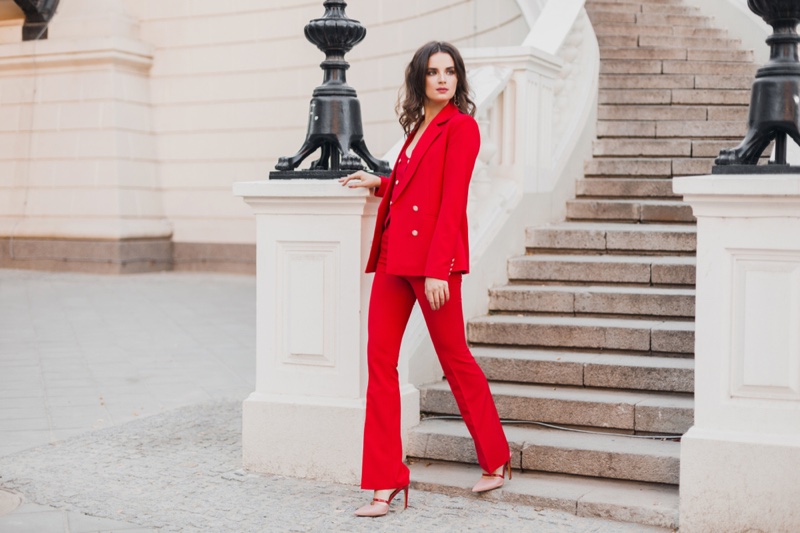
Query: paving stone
181,471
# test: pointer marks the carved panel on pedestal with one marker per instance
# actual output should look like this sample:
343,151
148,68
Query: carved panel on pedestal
306,310
765,361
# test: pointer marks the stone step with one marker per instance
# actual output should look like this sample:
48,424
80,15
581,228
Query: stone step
635,4
682,97
617,40
744,56
642,412
652,506
671,9
629,210
729,112
652,167
643,270
724,82
616,17
616,28
663,81
556,367
634,335
668,66
709,68
702,129
711,97
593,300
689,42
625,188
638,167
601,455
690,31
695,166
642,147
630,52
671,20
690,129
652,112
610,237
712,148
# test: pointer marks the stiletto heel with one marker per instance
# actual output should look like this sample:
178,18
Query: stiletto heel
489,482
379,507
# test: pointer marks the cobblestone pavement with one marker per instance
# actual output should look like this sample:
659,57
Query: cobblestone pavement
180,471
120,410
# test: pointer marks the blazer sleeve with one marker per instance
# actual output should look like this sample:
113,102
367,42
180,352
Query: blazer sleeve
463,143
380,191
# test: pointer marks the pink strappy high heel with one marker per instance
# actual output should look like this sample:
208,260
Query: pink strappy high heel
379,507
493,481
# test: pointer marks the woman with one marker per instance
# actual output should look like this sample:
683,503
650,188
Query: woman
419,251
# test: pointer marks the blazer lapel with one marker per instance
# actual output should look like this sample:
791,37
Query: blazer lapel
430,134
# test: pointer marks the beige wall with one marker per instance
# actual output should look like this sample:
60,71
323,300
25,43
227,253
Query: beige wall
231,81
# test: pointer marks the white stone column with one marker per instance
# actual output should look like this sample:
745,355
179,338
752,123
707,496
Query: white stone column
306,416
78,159
740,461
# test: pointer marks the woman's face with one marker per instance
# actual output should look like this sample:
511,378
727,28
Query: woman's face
440,79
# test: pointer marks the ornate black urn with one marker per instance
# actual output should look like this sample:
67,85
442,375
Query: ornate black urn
775,98
334,118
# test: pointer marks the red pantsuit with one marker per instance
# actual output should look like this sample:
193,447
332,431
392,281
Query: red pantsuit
426,237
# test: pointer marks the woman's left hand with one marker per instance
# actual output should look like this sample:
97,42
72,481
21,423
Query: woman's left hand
437,291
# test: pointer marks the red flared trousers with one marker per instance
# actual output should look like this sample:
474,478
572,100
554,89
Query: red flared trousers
390,306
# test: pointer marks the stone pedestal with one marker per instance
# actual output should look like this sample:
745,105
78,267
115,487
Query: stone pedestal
739,462
306,416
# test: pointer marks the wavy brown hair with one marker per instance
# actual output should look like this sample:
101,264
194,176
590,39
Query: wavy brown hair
411,102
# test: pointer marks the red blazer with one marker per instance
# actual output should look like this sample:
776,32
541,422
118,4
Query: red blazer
428,235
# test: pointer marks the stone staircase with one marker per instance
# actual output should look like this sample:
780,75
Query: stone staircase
595,330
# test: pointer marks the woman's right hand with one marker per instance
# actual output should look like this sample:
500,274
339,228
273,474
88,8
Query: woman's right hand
361,179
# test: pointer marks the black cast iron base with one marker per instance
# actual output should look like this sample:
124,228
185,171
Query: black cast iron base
309,174
755,169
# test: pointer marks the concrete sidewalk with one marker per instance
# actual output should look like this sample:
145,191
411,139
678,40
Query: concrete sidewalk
120,402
